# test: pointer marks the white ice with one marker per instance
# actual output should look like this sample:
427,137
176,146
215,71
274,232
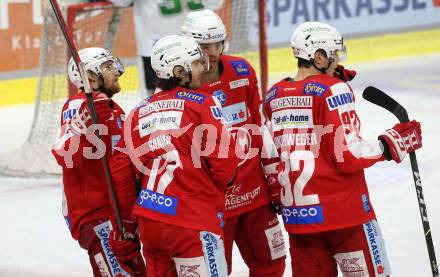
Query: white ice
34,240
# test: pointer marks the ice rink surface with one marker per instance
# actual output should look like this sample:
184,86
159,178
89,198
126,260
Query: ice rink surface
34,240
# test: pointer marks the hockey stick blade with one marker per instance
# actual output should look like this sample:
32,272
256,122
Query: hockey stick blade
380,98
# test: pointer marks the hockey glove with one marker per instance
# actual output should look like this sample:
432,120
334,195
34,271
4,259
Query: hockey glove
83,120
126,247
344,74
403,138
103,109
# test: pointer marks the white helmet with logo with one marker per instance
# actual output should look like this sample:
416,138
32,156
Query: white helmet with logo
312,36
92,58
171,51
205,26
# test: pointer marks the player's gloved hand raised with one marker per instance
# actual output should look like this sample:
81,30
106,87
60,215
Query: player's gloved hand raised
126,247
103,108
403,138
82,121
344,74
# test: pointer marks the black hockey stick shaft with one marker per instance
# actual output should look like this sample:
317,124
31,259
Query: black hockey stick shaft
91,106
381,99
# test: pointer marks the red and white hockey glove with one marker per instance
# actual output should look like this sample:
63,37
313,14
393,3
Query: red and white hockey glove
344,74
83,120
126,248
103,109
403,138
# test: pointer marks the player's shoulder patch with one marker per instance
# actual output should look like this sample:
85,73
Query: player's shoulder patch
72,107
271,94
241,67
191,96
220,95
314,88
341,95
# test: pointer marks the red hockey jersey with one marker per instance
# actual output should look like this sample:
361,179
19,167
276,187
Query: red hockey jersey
237,91
177,140
316,132
78,151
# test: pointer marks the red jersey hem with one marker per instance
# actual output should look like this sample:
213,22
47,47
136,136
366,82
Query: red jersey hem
150,215
239,211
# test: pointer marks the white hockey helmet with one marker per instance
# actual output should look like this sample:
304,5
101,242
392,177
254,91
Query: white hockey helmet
92,58
311,36
171,51
205,26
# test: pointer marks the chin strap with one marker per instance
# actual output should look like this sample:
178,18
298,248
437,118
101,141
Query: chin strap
190,80
322,70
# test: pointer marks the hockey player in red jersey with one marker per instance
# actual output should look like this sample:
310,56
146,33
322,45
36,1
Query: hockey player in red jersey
326,207
250,220
86,203
177,143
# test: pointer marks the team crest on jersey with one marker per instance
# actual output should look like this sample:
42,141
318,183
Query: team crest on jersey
241,68
314,89
271,94
220,95
191,96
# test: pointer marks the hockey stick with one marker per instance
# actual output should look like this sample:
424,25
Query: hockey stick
91,106
381,99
